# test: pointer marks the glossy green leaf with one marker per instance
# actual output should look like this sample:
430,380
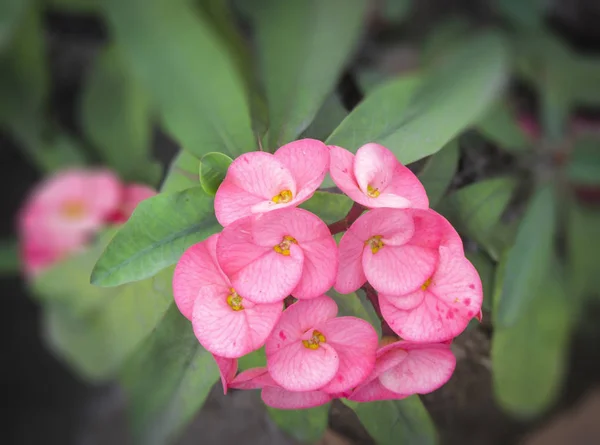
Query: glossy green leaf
331,114
182,174
416,124
203,105
116,116
439,171
155,236
303,46
167,380
528,260
394,422
486,269
475,211
256,359
330,207
213,168
305,425
97,343
500,126
529,358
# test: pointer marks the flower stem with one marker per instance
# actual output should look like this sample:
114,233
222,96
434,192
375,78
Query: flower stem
343,224
386,330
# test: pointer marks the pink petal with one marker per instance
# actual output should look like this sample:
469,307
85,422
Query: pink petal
350,274
374,166
196,269
268,229
297,368
280,398
424,369
399,270
134,194
227,370
308,160
452,299
395,226
355,342
406,301
253,378
433,230
319,268
298,319
374,391
405,184
251,179
341,170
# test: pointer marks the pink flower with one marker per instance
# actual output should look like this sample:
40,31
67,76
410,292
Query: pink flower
131,196
396,250
225,323
310,349
441,307
271,255
227,370
403,369
259,182
375,178
63,212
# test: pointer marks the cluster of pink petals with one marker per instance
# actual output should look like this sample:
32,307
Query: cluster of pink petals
262,280
65,211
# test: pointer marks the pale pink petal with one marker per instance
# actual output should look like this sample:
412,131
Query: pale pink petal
259,175
268,229
433,230
374,166
279,398
261,319
395,226
350,274
104,193
341,170
253,378
355,342
319,268
405,184
406,301
297,368
297,319
374,391
398,270
424,369
227,370
452,299
197,268
308,160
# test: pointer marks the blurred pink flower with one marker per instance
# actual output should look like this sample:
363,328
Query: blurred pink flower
132,195
310,349
275,254
259,182
225,323
375,178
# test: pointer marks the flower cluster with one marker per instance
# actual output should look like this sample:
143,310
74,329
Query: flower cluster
262,280
66,210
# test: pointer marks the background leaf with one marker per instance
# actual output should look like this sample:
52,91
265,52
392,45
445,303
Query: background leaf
331,114
167,380
330,207
155,236
10,259
303,46
486,269
182,174
305,425
11,12
500,125
439,171
213,168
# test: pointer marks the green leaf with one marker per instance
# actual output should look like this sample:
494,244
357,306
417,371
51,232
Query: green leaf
213,168
305,425
356,304
449,99
396,11
486,269
583,166
182,174
303,46
529,14
475,211
444,38
203,104
97,343
439,171
330,207
167,380
256,359
10,260
500,126
529,358
11,12
528,260
331,114
394,422
116,116
155,236
75,6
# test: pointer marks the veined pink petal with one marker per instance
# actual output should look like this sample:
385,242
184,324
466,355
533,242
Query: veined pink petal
350,275
394,226
254,378
276,397
257,173
433,230
398,270
227,370
341,170
308,160
268,229
406,301
196,269
355,342
374,391
452,298
424,368
297,368
374,166
405,184
319,268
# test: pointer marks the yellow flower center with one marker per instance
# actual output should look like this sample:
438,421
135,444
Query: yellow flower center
284,247
426,284
372,192
234,300
375,243
283,197
314,342
73,209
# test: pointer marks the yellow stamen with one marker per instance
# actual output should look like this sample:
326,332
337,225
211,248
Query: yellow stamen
283,197
375,243
284,247
426,284
234,300
372,192
313,342
74,209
